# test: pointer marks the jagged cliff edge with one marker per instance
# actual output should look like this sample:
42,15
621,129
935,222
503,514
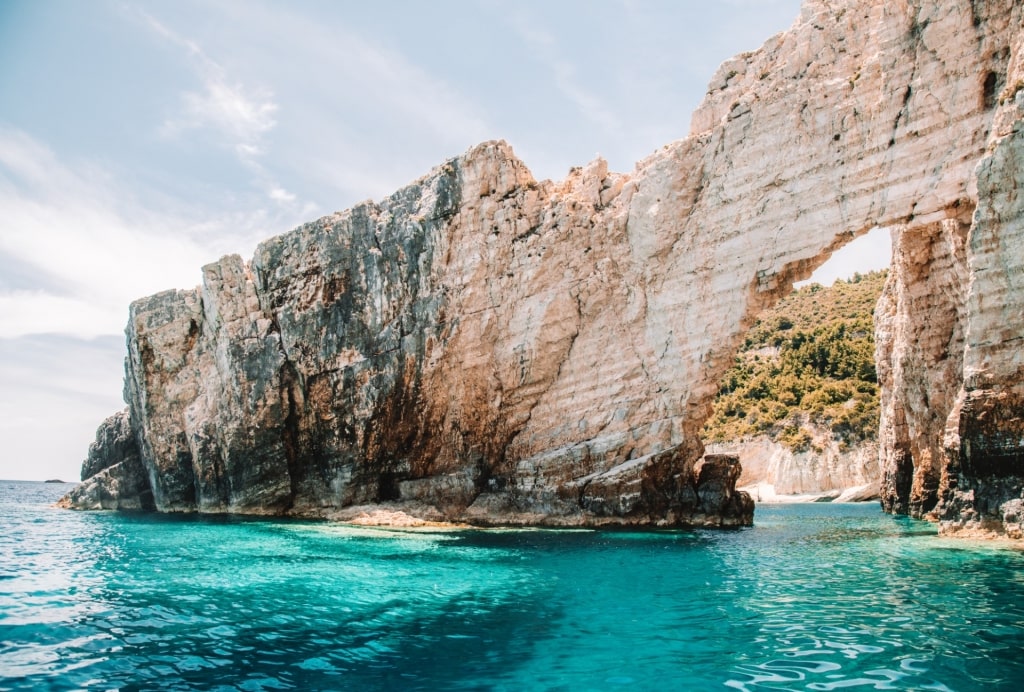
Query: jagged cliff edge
485,347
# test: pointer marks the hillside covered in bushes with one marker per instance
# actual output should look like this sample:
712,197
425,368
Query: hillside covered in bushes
808,363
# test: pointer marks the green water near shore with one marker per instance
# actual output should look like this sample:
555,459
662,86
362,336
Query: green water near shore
814,597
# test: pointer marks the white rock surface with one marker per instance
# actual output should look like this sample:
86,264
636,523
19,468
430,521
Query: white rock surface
951,323
774,473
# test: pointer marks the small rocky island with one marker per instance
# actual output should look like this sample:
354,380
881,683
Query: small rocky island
485,347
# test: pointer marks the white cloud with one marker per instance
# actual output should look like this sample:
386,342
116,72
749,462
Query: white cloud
94,247
341,73
418,95
243,118
247,152
279,194
38,312
241,115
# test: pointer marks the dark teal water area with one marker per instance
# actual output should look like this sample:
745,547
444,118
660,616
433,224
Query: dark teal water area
815,597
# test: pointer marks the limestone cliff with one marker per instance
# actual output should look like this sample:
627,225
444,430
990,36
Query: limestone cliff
919,342
484,346
950,326
421,352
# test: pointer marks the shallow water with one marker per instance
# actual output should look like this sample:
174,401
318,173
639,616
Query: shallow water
815,597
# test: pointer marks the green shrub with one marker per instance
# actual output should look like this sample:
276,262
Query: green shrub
822,370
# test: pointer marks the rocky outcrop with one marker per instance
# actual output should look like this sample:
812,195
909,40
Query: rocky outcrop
115,442
418,352
488,347
113,475
774,472
983,483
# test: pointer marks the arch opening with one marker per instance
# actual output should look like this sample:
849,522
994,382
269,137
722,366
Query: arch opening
867,253
800,404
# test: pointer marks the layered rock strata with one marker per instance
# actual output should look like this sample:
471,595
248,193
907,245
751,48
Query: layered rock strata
486,347
950,327
919,344
400,352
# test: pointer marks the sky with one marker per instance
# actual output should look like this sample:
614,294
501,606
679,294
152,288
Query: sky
141,140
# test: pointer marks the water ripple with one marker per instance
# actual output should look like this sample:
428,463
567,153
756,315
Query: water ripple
813,598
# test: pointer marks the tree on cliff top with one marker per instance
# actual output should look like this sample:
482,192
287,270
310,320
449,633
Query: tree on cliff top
807,363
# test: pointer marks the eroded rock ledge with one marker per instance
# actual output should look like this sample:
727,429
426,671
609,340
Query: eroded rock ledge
494,349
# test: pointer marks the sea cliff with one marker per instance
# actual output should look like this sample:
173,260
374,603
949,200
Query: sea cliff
485,347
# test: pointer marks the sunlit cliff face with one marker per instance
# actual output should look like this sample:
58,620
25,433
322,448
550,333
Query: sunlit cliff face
484,346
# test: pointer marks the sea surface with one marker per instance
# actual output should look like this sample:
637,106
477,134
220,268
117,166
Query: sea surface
814,597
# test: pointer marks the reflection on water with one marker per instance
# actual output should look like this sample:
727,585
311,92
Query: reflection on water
815,597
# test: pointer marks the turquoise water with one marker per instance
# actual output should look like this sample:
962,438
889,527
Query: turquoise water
815,597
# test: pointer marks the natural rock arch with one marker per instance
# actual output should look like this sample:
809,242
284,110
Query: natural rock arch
484,346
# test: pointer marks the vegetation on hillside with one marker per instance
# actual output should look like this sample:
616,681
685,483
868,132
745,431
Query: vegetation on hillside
807,361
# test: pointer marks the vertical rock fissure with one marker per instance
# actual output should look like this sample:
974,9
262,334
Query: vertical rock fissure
290,428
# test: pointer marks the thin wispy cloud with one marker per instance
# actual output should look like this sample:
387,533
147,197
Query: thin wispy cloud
242,115
348,74
93,247
418,95
564,72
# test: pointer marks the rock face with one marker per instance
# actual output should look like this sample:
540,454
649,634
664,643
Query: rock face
983,483
421,352
113,475
950,325
771,470
919,350
486,347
